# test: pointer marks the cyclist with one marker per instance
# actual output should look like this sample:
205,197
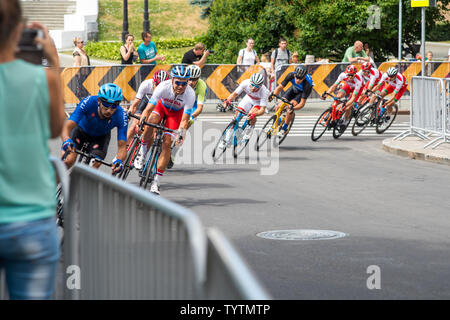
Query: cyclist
144,93
349,82
190,115
370,76
297,94
394,82
254,103
92,122
169,100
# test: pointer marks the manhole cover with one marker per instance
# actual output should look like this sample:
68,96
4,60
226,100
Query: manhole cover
301,234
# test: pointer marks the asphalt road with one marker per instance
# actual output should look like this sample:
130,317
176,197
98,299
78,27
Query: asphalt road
394,211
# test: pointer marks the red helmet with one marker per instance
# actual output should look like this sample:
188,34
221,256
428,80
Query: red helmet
351,70
160,76
366,66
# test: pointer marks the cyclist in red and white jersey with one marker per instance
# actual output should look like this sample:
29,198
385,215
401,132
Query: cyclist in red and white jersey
170,99
349,82
255,101
394,82
370,76
143,95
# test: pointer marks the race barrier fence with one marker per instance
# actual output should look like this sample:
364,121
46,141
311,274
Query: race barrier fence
129,244
221,80
429,111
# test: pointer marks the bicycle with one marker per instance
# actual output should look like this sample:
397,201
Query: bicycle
148,171
233,134
330,119
275,123
132,152
375,114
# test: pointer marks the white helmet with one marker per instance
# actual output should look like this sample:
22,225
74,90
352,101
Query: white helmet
392,71
195,71
257,79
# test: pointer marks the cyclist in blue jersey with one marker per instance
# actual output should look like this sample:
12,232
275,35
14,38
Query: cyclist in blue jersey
92,122
297,94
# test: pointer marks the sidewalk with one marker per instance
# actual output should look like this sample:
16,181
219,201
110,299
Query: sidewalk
413,147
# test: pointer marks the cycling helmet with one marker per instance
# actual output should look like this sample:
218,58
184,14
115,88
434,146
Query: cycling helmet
195,71
257,79
160,76
300,72
392,71
180,72
110,93
366,66
351,70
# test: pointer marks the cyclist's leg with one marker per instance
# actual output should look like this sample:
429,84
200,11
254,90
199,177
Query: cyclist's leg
294,96
396,99
99,148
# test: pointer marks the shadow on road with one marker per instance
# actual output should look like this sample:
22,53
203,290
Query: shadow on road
194,186
308,148
215,202
208,170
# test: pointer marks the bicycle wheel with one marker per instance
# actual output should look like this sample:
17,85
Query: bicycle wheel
217,152
287,131
266,132
239,142
321,125
362,120
339,129
151,170
383,123
129,161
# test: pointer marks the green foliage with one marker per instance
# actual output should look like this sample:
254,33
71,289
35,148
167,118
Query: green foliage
206,4
323,28
440,32
173,49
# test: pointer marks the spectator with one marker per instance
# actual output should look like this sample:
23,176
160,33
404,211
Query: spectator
418,57
428,66
356,54
128,53
448,55
369,52
280,56
29,245
147,50
80,57
248,56
268,66
196,56
295,57
429,56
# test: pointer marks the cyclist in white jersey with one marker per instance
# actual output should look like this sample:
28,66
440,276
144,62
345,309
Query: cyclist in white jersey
255,101
170,99
144,94
370,76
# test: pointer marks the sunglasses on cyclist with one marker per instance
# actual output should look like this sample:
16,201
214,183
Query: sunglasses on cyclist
350,75
181,83
254,85
299,78
109,105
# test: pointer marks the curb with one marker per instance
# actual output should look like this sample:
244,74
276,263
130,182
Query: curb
415,154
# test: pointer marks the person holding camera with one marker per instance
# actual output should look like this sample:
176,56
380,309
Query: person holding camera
128,53
32,112
80,57
197,55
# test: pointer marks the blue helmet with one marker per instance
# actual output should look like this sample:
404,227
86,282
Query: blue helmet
180,72
110,93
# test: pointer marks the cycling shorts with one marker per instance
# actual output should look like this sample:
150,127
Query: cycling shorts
97,145
391,89
293,94
348,90
248,103
173,118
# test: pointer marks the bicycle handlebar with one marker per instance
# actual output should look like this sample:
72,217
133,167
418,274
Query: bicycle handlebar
283,99
85,155
334,98
157,126
375,93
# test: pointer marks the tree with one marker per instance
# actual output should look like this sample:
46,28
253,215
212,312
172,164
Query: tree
206,4
324,28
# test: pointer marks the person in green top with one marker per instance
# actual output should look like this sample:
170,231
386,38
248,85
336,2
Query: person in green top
356,54
32,112
190,115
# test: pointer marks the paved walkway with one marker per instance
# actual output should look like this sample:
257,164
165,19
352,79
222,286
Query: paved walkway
414,148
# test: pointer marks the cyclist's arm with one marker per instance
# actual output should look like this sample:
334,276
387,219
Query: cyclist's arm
121,150
232,96
133,107
198,110
148,109
69,125
278,89
185,121
332,88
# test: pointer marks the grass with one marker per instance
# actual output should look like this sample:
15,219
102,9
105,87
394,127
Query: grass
168,19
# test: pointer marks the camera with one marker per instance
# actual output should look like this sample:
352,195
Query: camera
210,51
28,50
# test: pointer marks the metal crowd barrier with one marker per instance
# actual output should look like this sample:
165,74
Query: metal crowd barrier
428,111
129,244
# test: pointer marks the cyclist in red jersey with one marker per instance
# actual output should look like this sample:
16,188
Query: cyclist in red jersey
371,77
349,82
